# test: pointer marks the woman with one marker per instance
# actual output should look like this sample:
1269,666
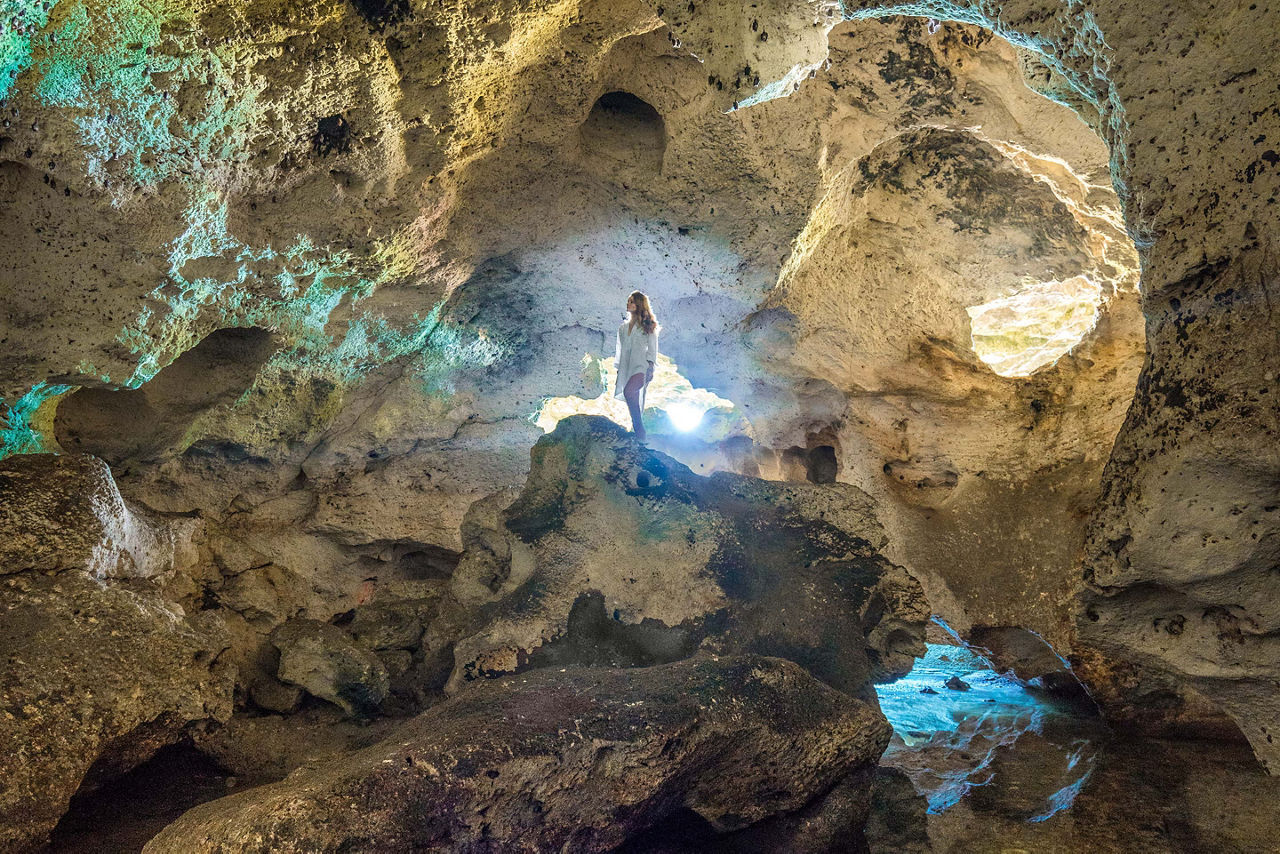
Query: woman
637,355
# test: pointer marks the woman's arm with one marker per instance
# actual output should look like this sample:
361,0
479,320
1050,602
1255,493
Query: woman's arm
651,352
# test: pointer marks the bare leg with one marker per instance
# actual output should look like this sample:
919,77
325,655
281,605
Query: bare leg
631,392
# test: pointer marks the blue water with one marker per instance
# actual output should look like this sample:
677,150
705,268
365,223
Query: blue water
953,742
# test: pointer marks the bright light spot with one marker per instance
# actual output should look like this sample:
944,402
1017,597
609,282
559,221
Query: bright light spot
1017,335
684,405
684,416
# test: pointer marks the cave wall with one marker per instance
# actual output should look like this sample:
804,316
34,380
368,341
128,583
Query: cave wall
1185,104
420,207
945,201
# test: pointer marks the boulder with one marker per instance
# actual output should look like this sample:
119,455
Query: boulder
94,676
64,512
421,493
393,625
577,760
275,696
324,660
617,554
99,671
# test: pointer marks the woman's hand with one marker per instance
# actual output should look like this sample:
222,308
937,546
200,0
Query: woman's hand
648,375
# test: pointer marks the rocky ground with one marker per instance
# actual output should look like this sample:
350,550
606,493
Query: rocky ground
722,665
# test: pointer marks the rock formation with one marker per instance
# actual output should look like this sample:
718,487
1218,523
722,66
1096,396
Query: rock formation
614,554
548,760
101,667
288,288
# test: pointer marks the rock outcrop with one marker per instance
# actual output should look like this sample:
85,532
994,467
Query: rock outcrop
100,669
325,661
618,555
65,513
577,760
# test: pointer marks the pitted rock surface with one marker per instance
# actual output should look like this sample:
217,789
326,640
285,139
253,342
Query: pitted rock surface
620,555
96,675
577,760
100,668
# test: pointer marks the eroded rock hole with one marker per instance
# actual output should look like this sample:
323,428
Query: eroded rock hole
117,425
125,813
380,13
822,465
624,132
333,134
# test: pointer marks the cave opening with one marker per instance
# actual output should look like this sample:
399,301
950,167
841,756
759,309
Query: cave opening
673,405
124,812
958,722
624,132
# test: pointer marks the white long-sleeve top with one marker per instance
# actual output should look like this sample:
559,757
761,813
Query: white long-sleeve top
636,349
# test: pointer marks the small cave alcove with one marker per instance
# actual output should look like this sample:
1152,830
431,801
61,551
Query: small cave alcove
124,424
624,133
819,463
382,13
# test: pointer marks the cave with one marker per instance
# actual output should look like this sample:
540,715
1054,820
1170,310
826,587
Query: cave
947,518
624,132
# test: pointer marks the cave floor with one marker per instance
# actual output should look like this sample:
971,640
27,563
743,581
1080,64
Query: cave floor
1143,796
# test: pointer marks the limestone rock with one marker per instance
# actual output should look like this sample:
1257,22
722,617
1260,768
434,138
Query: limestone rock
829,823
393,625
444,207
62,513
267,748
1024,655
620,555
93,673
273,695
423,493
324,660
550,761
100,668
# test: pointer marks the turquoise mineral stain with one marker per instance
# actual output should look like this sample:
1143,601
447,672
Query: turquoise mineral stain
18,433
21,24
157,104
119,69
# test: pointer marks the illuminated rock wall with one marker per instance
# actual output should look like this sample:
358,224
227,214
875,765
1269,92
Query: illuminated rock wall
1183,99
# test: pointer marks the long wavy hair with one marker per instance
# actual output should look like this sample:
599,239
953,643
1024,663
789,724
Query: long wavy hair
643,314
